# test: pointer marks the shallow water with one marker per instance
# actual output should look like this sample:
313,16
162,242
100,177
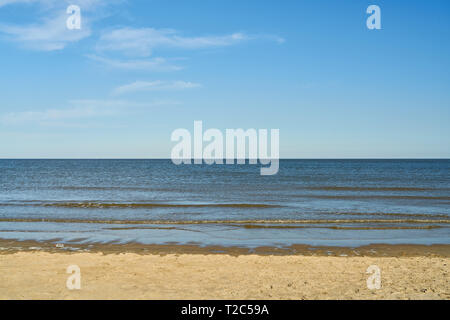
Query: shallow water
316,202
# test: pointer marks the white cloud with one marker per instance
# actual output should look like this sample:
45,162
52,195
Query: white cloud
76,111
141,42
79,109
157,85
27,117
50,35
85,4
6,2
149,64
51,32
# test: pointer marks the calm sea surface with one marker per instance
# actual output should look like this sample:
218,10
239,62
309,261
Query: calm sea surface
315,202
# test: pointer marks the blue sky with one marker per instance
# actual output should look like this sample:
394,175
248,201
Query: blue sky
139,69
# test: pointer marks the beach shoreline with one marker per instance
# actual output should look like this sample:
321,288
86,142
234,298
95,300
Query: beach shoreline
11,246
31,270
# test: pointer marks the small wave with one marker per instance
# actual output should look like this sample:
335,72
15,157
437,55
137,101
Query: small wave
260,226
336,188
114,188
106,205
387,214
370,197
253,226
101,205
282,221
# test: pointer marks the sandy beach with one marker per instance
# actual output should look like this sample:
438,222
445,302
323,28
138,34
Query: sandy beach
408,272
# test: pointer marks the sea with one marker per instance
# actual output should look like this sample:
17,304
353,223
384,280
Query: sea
313,202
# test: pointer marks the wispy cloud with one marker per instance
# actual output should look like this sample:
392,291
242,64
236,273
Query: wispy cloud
141,42
85,4
79,109
148,64
50,35
157,85
50,32
7,2
76,111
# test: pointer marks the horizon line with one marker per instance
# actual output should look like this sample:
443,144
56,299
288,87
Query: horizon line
353,158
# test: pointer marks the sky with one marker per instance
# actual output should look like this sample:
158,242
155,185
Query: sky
139,69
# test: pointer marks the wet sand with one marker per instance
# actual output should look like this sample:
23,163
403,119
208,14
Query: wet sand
34,270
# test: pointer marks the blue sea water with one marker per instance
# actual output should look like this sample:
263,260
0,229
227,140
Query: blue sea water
314,202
